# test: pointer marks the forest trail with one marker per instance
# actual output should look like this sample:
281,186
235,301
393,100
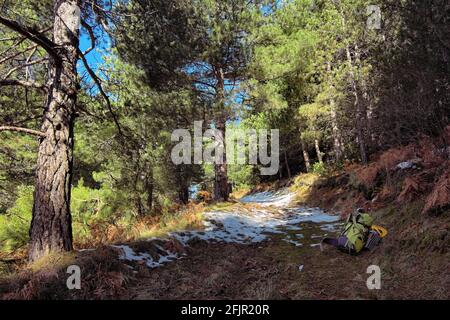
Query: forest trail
264,247
256,219
111,116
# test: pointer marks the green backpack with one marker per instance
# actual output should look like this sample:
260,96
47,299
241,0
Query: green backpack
356,230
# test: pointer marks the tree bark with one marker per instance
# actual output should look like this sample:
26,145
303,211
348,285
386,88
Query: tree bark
357,103
149,186
221,189
286,163
306,156
366,109
358,109
319,153
51,226
138,181
337,136
183,194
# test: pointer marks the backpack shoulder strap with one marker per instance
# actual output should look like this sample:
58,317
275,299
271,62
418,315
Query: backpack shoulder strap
355,218
349,217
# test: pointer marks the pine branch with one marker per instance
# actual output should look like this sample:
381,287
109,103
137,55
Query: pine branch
33,35
23,66
23,130
98,83
23,83
91,36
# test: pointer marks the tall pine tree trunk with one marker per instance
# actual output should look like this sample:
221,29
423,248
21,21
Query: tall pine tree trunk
338,145
221,189
305,156
318,152
149,188
51,229
367,108
360,116
360,112
286,163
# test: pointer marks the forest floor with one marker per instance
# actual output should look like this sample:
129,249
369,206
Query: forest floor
405,189
258,250
265,246
271,271
278,269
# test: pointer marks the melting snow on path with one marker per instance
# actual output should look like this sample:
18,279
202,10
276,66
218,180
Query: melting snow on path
278,199
277,218
256,225
128,254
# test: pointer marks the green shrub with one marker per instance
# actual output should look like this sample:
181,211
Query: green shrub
95,209
14,225
86,204
320,169
98,216
88,207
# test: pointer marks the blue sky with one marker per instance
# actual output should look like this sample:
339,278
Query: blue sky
94,58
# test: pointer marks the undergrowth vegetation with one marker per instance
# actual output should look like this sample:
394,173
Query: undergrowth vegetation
14,225
105,277
99,216
395,177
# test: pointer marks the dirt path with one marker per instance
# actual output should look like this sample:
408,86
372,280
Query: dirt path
265,250
268,250
286,264
271,270
262,271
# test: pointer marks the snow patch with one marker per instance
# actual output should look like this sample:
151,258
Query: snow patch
253,226
410,164
128,254
278,199
279,217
